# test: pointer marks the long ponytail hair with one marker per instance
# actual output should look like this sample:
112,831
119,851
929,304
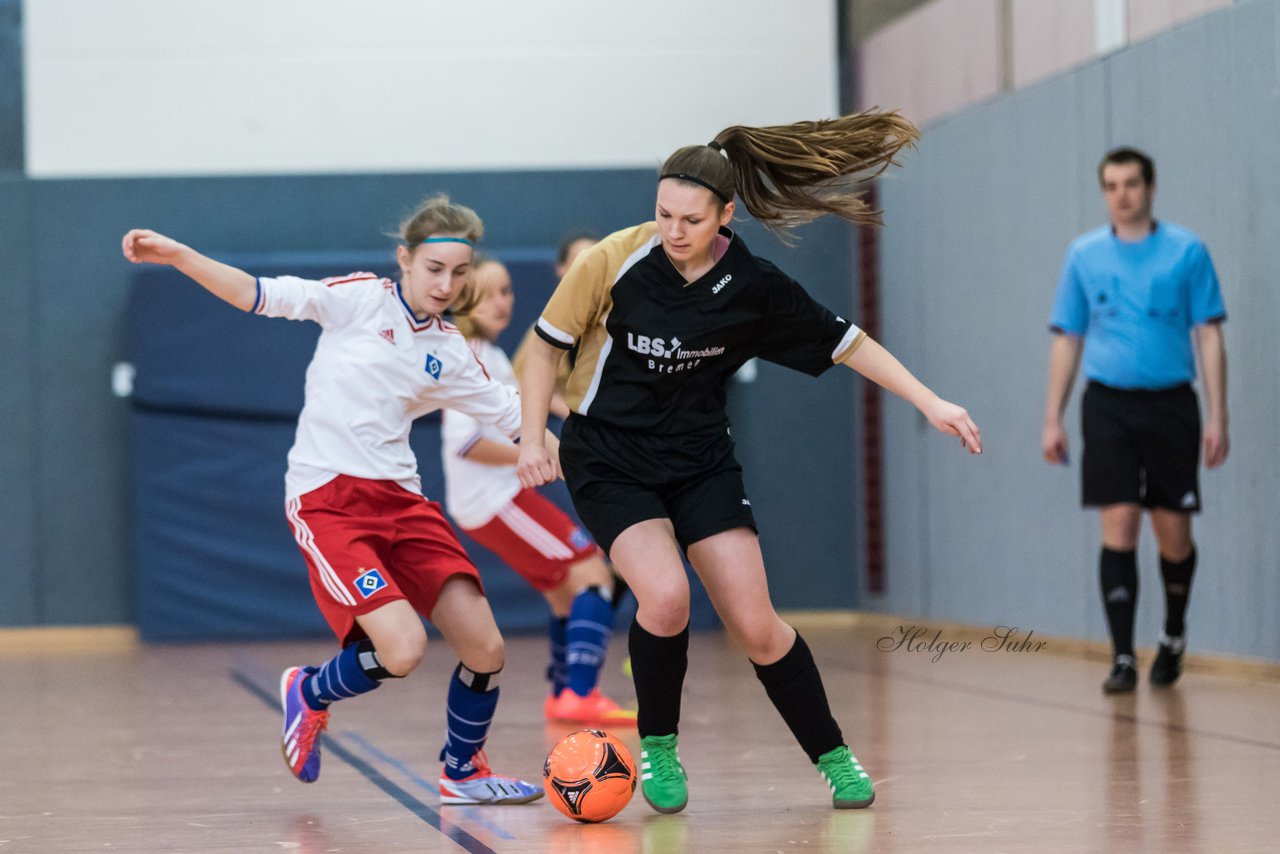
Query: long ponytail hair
787,175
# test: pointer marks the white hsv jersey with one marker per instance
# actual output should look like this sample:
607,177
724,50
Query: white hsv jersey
376,368
474,492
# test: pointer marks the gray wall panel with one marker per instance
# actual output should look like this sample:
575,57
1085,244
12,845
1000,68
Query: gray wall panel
11,91
795,440
902,323
19,559
978,224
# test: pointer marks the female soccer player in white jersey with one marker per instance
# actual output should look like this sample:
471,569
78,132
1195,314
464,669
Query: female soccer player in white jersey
663,314
379,554
529,533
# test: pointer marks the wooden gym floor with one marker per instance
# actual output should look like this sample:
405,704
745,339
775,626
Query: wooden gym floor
107,745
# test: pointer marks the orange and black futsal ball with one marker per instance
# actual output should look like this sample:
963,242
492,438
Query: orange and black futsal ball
589,775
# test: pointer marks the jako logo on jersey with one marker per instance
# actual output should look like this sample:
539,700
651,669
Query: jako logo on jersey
370,583
647,346
433,366
720,284
389,334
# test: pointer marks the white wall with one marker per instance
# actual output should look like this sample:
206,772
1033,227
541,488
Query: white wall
199,87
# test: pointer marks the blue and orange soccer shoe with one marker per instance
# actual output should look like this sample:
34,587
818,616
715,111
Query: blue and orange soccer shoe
482,786
300,743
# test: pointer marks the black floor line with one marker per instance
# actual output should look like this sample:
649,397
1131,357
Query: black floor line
456,834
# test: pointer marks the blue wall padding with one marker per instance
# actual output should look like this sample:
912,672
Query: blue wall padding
214,555
216,397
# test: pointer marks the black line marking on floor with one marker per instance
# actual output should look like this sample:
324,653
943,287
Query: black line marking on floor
456,834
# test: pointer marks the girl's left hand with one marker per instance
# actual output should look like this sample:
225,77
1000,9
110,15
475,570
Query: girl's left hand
954,421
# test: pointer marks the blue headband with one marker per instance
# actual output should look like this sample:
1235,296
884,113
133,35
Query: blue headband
450,240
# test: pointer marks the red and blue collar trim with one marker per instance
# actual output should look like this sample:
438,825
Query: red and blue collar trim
417,324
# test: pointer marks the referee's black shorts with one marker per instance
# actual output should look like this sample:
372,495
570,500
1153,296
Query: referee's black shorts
620,477
1141,447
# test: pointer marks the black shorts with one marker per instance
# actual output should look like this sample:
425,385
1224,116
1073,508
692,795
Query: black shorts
1141,447
620,477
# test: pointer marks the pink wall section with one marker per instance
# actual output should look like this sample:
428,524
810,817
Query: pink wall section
946,55
1050,36
933,61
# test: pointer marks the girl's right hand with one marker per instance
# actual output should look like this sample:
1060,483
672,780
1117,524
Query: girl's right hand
143,246
536,466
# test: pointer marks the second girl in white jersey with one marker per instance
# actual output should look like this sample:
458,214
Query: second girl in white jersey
529,533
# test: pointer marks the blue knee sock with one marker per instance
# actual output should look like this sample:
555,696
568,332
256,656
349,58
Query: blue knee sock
356,670
472,700
587,637
556,670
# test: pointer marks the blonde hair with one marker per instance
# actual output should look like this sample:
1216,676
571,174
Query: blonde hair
437,215
470,297
787,175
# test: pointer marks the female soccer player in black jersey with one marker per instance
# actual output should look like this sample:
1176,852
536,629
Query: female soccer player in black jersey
662,315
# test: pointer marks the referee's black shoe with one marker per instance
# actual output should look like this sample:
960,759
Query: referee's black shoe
1167,667
1124,676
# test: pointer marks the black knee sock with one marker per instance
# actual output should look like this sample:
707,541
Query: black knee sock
658,666
795,687
1118,572
1177,589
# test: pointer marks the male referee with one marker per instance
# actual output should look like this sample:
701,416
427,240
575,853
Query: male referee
1133,295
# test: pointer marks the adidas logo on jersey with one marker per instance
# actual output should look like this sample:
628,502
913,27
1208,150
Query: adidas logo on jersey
389,334
720,284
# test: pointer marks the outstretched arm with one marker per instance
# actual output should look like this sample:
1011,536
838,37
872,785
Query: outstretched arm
1064,359
143,246
878,365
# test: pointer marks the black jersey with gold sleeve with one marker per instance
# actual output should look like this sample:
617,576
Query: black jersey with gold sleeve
655,352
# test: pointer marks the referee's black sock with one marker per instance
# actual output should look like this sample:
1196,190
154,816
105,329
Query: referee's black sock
795,687
1118,572
1177,589
658,665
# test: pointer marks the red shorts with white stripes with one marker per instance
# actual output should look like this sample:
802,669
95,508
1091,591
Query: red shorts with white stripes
370,542
536,539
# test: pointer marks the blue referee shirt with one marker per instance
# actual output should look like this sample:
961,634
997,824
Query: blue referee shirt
1135,303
